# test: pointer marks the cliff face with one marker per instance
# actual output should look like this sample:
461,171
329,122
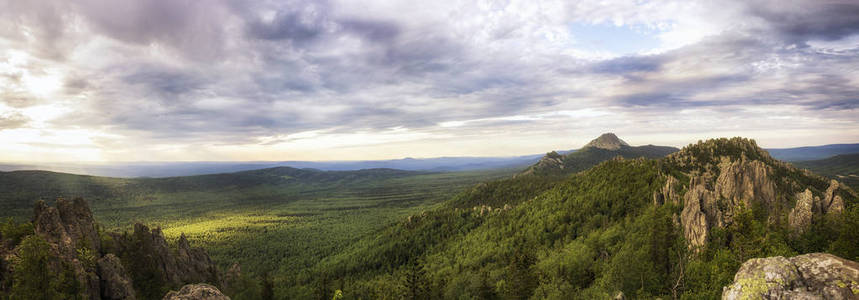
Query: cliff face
70,231
185,265
73,241
809,276
713,200
728,176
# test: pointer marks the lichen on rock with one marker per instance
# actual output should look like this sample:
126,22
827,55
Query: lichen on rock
809,276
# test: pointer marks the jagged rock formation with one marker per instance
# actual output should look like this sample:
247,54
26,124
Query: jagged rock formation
607,141
809,276
72,238
552,160
70,229
708,203
728,176
196,292
186,265
808,207
115,283
668,193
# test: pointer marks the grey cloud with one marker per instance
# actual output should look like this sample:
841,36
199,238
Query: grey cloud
193,27
801,21
296,26
373,30
164,81
629,64
281,75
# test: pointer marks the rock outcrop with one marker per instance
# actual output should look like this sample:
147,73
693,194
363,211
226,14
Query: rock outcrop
730,176
809,207
185,265
70,230
713,200
668,193
551,162
809,276
607,141
73,238
196,292
115,283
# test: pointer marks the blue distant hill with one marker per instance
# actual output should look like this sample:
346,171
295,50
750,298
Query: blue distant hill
439,164
813,152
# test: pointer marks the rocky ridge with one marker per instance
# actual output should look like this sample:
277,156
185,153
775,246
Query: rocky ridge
185,265
74,240
809,276
728,176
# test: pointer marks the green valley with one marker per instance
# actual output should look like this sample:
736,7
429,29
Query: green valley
607,219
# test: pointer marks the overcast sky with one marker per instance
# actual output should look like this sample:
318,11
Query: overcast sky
168,80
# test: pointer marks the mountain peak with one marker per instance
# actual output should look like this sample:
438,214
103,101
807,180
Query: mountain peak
607,141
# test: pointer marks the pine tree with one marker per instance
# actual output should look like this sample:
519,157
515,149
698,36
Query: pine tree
267,287
414,281
39,274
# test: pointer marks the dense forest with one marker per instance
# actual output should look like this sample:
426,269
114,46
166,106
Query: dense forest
617,227
604,225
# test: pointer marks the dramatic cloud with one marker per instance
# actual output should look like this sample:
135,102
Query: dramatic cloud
302,79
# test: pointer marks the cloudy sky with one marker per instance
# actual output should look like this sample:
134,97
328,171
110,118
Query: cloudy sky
179,80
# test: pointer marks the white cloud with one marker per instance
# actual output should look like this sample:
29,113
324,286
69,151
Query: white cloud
187,80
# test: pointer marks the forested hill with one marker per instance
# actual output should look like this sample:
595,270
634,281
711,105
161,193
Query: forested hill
843,167
676,227
604,147
20,189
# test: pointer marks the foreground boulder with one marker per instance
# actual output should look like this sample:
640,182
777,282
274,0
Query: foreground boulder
200,291
809,276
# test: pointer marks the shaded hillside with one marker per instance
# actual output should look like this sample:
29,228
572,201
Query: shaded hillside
843,167
813,152
674,227
604,147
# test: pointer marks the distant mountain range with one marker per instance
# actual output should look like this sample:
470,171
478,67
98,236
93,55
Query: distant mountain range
439,164
813,152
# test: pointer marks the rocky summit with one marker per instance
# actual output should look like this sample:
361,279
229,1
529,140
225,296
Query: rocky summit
607,141
730,176
809,276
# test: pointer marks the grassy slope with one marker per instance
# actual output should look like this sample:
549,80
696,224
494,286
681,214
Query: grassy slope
256,218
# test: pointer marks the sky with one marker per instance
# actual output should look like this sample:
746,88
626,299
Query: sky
235,80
